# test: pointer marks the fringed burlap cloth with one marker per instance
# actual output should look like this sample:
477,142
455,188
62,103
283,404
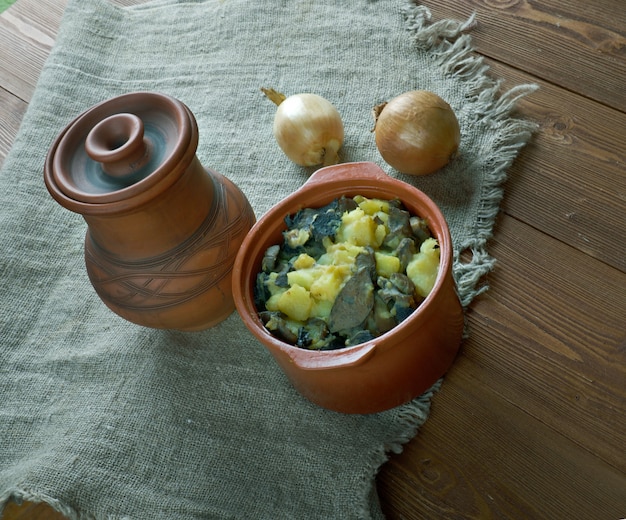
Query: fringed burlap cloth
105,419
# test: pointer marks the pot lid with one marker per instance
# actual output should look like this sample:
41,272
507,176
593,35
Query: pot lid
122,148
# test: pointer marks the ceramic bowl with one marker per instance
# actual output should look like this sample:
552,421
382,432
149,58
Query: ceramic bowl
391,369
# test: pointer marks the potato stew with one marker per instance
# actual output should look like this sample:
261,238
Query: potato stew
345,273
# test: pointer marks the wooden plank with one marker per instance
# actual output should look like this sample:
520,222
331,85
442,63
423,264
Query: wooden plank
550,337
570,182
481,457
43,16
11,112
578,45
27,34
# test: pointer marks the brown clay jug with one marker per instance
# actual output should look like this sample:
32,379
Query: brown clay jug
163,231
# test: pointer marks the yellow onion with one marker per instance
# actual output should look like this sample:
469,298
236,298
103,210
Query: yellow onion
307,127
417,132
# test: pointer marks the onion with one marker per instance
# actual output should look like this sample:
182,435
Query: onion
307,127
417,132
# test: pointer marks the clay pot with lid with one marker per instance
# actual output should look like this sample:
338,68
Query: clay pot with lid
381,373
163,231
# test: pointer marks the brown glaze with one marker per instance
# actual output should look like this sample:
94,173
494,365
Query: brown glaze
391,369
163,231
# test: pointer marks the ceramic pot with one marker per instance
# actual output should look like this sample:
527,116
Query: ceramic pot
162,230
389,370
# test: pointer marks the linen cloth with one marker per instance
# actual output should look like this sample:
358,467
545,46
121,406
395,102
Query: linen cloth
105,419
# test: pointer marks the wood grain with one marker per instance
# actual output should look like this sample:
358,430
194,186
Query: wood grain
570,181
490,460
531,346
576,45
531,419
27,34
11,112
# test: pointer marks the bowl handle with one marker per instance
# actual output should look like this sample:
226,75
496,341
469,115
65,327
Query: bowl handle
324,359
347,171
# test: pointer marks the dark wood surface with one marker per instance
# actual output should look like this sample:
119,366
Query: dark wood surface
531,421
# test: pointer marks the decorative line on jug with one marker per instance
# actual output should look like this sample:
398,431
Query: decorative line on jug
146,280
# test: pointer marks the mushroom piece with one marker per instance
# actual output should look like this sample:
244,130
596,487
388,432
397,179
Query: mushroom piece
274,322
398,292
360,336
261,292
353,303
268,264
366,259
399,227
420,228
315,335
405,251
380,320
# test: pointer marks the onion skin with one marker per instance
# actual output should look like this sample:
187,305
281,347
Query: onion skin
309,130
417,132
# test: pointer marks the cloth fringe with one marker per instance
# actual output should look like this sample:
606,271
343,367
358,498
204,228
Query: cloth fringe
452,49
412,416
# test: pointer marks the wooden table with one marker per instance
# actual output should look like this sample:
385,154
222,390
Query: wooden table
531,422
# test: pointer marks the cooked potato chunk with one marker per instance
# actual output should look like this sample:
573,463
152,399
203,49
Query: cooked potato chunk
272,302
359,229
424,267
296,303
271,284
387,264
304,261
322,308
341,253
329,283
303,277
372,206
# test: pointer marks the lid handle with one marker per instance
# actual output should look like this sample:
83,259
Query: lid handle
118,144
